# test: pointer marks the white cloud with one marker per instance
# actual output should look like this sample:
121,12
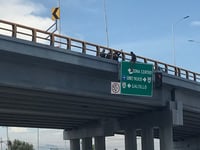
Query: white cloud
195,23
25,12
53,136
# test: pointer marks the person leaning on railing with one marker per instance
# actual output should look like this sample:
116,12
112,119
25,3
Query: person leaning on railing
116,55
133,60
103,54
133,57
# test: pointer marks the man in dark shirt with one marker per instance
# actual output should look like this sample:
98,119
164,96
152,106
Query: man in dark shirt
103,54
133,57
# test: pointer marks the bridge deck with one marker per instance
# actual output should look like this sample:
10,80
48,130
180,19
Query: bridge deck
42,85
68,43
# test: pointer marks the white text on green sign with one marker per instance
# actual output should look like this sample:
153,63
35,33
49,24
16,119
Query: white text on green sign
136,79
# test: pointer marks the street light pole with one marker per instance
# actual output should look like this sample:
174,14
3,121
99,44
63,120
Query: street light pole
173,37
59,22
173,44
106,23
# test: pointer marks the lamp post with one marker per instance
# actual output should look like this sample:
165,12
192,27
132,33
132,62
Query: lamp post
59,29
173,37
106,23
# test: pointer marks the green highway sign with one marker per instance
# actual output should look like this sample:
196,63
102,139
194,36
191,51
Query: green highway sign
136,79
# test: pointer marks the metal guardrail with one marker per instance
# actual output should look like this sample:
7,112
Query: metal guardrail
38,36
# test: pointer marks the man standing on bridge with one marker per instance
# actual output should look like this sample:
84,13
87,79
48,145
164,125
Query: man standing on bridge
133,60
133,57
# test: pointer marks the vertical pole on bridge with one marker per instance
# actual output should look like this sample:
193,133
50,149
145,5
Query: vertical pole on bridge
75,144
147,138
130,139
59,22
166,137
166,132
100,143
87,144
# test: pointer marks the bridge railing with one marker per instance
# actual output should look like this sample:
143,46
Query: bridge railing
67,43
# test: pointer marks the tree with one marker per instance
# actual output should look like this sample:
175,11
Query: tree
20,145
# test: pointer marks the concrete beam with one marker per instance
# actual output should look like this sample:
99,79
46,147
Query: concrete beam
192,143
151,119
102,128
155,118
82,133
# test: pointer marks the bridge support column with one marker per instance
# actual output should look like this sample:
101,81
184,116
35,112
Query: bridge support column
130,139
147,138
100,143
166,132
163,120
87,144
166,137
75,144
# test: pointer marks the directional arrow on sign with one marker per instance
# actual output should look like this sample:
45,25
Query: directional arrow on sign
144,79
55,13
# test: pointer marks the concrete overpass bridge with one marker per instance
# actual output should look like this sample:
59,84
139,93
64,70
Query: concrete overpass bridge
53,81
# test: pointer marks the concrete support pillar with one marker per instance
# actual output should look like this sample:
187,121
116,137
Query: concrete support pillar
166,137
166,132
87,144
75,144
100,143
130,139
147,138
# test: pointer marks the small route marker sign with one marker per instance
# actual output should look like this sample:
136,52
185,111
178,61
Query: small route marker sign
115,88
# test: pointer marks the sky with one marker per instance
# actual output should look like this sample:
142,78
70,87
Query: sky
141,26
144,27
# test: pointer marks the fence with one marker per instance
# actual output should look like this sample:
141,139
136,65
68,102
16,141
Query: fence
38,36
